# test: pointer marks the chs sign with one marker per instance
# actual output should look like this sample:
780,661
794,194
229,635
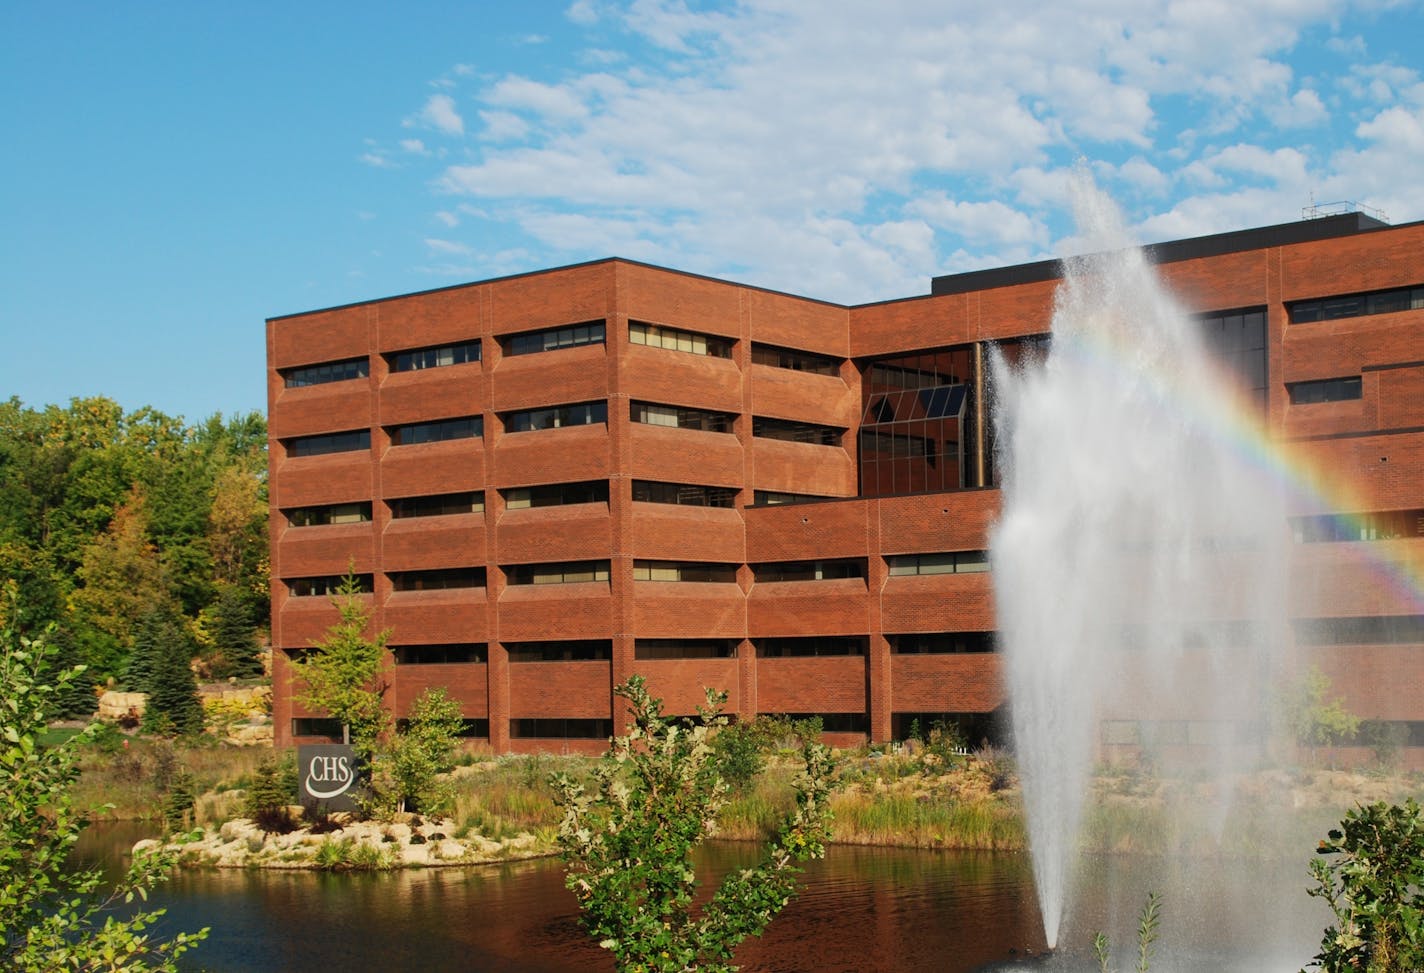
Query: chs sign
328,775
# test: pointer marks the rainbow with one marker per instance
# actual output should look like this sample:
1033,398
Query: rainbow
1219,408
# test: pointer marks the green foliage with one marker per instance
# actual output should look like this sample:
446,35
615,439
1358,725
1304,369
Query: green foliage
345,673
235,635
740,751
628,846
182,796
1148,924
272,790
106,514
424,750
1315,721
167,676
1374,884
53,917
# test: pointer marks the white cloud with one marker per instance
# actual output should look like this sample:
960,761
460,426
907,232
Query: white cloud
377,160
555,102
415,146
448,218
845,150
439,113
503,126
1305,109
437,245
582,12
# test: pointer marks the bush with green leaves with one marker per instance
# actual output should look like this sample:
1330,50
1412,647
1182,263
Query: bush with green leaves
412,766
1373,882
628,845
54,916
740,750
270,795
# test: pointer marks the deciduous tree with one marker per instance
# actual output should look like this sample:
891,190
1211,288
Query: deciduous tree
52,916
628,846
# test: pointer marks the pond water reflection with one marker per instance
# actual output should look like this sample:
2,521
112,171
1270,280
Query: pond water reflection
866,910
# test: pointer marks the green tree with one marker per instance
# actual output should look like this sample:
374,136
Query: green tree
54,917
122,581
173,702
410,768
234,635
269,797
1374,884
345,673
628,847
1316,721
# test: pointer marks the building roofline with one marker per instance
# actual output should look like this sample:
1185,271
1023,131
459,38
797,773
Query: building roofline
1192,248
555,270
1171,251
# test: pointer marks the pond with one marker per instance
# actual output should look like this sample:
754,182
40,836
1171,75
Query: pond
866,910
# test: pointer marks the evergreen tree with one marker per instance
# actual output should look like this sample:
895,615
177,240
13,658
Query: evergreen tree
346,673
74,698
143,659
235,634
173,703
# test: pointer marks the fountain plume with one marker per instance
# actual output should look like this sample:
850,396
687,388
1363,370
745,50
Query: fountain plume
1138,559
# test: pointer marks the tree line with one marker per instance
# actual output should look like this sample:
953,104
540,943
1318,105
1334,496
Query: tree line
138,542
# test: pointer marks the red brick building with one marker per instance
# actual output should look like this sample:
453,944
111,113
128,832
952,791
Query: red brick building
553,481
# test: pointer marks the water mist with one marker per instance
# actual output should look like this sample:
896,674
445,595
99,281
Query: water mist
1138,561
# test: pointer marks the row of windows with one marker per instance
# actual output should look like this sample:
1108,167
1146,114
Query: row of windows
946,562
776,498
438,431
958,562
679,418
438,579
684,571
336,513
1325,390
551,339
937,643
336,371
657,336
566,572
321,726
401,361
683,494
545,495
810,570
1357,305
435,357
796,361
1374,526
796,432
558,416
556,494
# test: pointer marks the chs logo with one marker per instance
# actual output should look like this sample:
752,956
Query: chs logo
328,777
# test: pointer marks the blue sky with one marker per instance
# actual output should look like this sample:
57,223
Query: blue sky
175,173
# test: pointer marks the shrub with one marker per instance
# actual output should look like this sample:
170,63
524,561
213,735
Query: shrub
1375,886
740,752
269,797
628,847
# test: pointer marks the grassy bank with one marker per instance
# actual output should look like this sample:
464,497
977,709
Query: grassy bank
916,799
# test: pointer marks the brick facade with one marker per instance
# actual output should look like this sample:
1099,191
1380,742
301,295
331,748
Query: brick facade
757,638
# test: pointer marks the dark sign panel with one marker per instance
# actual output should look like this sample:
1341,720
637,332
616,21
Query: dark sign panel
328,775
